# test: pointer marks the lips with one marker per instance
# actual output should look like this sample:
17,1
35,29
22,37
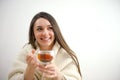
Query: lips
45,39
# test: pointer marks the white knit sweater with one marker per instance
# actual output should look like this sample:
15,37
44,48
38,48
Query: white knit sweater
62,60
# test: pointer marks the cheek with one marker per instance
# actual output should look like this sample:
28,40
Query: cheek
36,35
52,34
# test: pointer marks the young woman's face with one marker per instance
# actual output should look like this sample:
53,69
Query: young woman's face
44,34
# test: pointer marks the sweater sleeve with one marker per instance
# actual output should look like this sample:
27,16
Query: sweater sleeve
67,66
17,76
70,72
19,65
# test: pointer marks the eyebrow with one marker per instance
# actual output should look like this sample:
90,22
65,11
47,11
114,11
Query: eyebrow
41,26
50,26
37,26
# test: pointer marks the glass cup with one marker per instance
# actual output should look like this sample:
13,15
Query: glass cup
45,57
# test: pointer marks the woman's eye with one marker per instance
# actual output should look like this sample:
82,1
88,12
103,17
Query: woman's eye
38,29
50,28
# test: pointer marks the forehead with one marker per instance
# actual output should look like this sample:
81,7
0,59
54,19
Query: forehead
41,22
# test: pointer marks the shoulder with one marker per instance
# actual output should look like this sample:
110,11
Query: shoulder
25,50
27,47
64,53
63,59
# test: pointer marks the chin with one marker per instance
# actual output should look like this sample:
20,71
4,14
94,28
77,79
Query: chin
46,44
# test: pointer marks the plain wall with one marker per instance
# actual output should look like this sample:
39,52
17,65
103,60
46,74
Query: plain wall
90,27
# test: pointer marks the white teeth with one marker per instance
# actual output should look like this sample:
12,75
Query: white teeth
45,38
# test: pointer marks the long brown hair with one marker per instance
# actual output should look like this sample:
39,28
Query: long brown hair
58,36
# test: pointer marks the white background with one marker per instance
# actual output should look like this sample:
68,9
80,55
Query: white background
91,28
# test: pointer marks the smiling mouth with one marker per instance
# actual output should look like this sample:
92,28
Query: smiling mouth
45,39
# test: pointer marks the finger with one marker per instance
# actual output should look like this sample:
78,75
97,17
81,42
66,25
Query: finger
49,75
34,64
41,68
49,72
33,51
29,58
50,66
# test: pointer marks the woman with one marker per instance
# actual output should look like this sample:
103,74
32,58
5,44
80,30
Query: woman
44,34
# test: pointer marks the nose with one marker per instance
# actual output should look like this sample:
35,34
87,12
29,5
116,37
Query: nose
45,32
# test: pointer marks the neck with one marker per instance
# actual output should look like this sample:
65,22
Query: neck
47,47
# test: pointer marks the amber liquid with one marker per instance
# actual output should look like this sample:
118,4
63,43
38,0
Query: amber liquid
46,57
